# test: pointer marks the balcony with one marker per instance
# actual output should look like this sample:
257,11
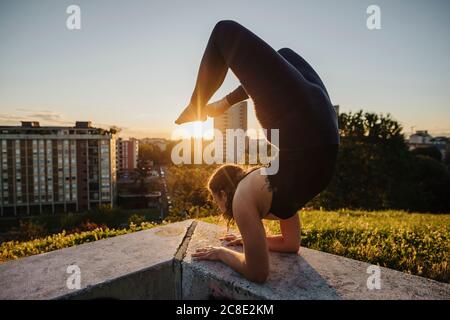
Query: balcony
156,264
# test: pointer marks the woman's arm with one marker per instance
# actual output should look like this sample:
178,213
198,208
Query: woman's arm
254,262
289,239
217,108
276,243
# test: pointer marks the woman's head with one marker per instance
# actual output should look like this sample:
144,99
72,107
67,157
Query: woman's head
222,185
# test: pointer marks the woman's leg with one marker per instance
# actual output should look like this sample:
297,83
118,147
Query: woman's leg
296,61
262,71
303,67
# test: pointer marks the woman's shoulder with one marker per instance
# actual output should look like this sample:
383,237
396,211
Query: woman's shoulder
252,188
251,175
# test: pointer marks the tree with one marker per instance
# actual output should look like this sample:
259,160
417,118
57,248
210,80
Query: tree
429,151
376,171
115,129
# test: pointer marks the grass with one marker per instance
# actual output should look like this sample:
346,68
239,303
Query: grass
414,243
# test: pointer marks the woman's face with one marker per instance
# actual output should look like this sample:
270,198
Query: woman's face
220,200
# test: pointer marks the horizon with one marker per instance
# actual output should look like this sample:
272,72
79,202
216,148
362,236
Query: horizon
134,64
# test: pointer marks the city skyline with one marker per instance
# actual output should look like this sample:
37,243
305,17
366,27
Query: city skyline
134,64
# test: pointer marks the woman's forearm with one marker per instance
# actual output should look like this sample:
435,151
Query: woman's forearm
277,243
235,260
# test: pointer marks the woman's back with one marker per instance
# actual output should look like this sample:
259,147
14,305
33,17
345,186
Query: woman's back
254,186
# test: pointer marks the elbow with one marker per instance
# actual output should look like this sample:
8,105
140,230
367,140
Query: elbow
259,277
293,248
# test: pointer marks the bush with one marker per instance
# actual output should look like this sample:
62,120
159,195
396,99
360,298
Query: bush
431,151
103,217
187,187
15,249
27,230
136,219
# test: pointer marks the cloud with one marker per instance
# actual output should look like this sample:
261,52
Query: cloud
9,118
46,116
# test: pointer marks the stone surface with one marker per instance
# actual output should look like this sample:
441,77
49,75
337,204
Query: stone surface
132,266
308,275
157,264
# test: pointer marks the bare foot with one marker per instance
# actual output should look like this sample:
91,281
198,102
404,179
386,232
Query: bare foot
190,114
217,108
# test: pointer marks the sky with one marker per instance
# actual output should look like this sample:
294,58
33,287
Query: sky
133,63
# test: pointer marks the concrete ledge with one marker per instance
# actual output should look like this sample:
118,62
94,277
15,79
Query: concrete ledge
133,266
310,274
157,264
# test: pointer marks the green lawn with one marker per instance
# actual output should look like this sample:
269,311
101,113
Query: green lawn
414,243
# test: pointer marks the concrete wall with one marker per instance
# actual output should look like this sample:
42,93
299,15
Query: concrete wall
157,264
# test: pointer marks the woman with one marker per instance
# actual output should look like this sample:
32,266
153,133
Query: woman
289,96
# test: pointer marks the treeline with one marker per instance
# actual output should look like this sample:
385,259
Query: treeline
375,170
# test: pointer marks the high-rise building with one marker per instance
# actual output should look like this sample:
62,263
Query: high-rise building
52,169
127,153
336,108
234,118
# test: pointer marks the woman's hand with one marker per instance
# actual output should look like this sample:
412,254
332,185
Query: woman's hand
233,240
207,253
217,108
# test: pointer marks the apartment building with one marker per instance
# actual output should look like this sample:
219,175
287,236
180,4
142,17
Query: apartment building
234,118
127,151
52,169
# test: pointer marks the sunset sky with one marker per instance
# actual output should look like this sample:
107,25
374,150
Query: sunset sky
133,63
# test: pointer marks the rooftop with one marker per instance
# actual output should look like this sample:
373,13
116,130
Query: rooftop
34,127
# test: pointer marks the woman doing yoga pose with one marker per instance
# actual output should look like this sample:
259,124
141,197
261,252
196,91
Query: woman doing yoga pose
288,95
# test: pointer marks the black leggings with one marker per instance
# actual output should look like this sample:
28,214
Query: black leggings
288,95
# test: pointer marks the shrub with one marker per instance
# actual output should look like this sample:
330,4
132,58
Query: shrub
27,230
15,249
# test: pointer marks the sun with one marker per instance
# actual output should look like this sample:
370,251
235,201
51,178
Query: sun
196,130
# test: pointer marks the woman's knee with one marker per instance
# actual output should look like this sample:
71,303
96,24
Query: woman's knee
227,26
286,53
283,51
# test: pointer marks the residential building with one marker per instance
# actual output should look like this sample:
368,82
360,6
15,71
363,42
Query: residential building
234,118
127,151
422,139
336,108
52,169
